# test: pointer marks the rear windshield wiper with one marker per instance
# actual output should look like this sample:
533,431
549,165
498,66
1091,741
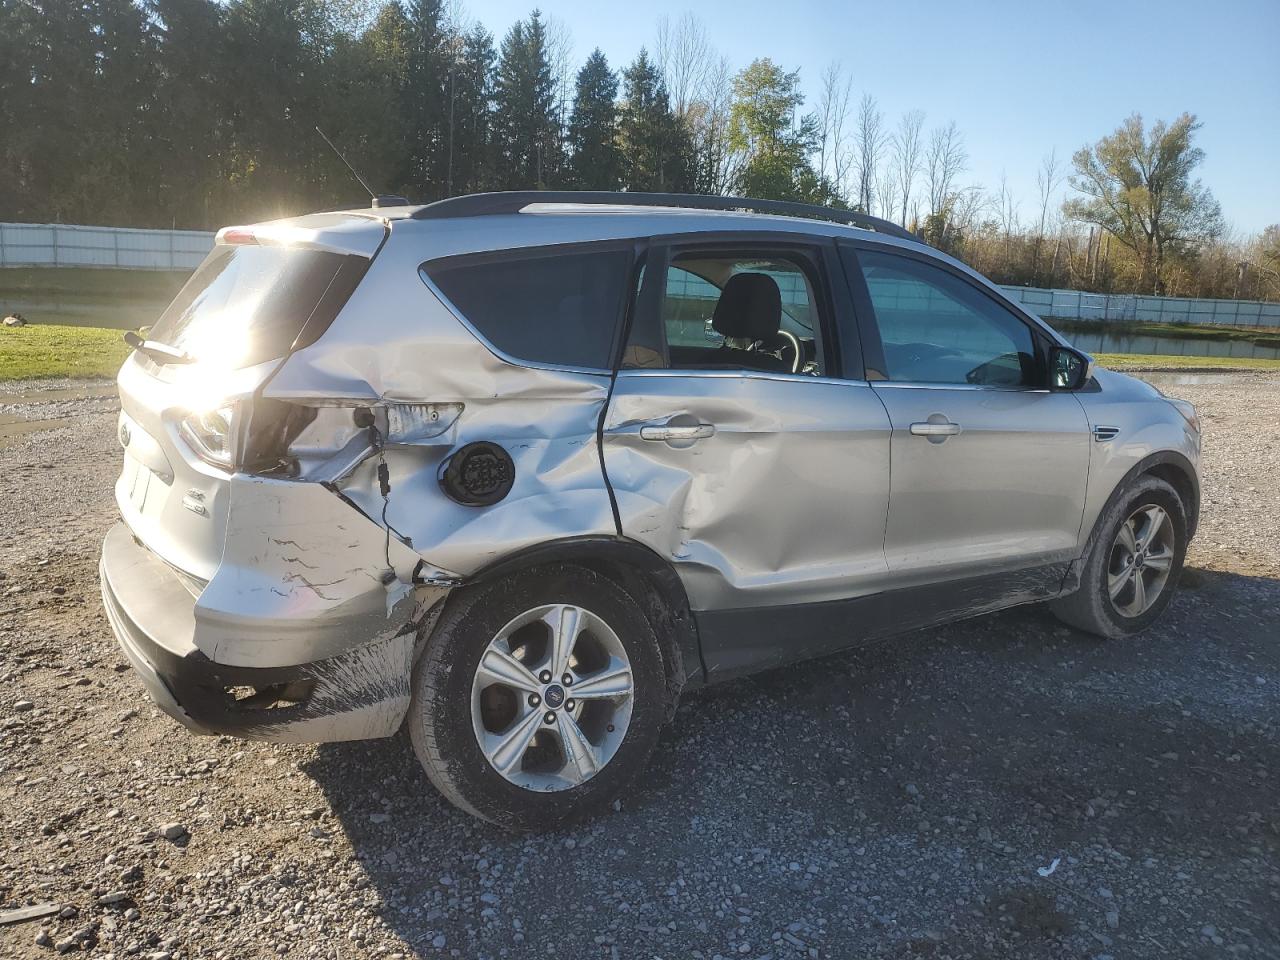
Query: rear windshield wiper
157,351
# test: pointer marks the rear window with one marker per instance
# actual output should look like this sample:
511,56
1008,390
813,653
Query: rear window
248,303
543,306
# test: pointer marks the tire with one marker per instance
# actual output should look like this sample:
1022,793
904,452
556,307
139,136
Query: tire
1092,607
450,713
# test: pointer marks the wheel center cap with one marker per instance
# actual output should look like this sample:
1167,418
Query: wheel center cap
553,696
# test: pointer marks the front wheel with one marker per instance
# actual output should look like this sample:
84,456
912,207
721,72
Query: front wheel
538,697
1133,565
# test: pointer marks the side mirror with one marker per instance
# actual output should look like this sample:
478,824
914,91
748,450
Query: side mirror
1069,369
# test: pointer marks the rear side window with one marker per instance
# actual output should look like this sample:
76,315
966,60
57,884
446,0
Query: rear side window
248,303
543,306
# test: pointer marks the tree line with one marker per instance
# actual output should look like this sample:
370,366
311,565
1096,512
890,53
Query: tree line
196,113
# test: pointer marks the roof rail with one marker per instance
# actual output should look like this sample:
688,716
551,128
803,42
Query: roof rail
513,201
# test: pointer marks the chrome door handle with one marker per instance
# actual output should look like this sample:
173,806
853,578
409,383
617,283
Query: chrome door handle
947,429
696,431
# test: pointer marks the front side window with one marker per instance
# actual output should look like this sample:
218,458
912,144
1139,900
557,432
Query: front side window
719,311
936,328
544,306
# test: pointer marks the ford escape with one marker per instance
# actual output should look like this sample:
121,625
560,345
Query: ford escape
518,470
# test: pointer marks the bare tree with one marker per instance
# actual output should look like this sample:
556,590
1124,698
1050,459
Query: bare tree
700,87
834,158
1007,213
944,162
887,194
869,142
906,146
686,58
560,53
1048,178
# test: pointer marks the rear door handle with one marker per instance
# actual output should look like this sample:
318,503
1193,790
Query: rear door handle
946,429
668,432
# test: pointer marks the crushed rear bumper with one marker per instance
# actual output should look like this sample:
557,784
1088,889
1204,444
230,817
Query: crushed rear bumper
359,693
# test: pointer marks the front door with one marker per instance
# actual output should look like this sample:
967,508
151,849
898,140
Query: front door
989,466
738,448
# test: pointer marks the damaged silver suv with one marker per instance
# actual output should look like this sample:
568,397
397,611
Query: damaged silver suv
519,469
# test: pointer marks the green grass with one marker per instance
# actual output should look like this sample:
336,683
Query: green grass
1154,362
79,296
55,350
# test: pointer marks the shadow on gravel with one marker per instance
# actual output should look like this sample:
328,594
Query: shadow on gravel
893,800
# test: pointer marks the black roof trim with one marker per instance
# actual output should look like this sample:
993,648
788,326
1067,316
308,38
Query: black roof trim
513,201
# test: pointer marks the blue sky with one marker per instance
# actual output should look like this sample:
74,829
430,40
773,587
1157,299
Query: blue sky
1018,78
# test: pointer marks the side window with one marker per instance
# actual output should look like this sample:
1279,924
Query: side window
936,328
544,306
745,312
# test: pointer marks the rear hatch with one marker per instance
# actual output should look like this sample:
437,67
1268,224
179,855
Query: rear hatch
262,292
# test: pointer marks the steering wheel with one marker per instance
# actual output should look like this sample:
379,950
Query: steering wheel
790,344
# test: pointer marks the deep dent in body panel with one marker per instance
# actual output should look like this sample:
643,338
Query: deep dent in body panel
343,566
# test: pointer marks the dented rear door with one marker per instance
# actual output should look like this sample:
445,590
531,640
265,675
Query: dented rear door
763,489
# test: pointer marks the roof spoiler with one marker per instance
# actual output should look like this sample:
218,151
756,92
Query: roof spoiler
514,201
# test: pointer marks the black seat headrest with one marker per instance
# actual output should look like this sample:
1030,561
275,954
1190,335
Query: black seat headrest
750,306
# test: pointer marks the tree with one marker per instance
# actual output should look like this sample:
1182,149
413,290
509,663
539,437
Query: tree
190,118
774,143
1048,179
834,158
906,145
1138,186
655,150
594,162
700,91
526,128
472,108
869,141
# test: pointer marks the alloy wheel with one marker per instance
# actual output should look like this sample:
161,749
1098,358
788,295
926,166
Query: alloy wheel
1140,562
552,698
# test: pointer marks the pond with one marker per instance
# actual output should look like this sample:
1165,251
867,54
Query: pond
1106,342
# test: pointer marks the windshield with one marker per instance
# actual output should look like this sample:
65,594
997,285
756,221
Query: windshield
248,303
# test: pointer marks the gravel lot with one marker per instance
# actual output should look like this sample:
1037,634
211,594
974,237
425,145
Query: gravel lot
896,801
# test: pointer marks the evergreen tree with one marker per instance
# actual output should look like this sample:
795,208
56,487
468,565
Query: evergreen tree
423,107
594,163
471,113
525,129
657,154
189,122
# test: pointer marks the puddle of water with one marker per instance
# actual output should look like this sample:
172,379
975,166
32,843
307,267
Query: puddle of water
24,412
51,396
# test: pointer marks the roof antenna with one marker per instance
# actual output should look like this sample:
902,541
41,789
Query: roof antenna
379,199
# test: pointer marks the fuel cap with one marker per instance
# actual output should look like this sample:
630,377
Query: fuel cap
478,475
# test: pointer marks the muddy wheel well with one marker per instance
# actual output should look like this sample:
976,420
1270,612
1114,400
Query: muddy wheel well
646,577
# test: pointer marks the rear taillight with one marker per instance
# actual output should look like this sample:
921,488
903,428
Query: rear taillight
211,435
325,442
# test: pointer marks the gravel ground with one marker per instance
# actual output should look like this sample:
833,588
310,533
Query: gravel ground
902,800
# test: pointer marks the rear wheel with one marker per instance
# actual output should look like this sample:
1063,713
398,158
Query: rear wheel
538,697
1133,565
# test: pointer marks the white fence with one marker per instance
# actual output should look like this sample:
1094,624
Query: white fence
64,245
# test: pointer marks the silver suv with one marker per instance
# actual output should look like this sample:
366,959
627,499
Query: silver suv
520,469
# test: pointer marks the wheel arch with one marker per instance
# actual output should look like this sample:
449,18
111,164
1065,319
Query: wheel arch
650,579
1168,465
